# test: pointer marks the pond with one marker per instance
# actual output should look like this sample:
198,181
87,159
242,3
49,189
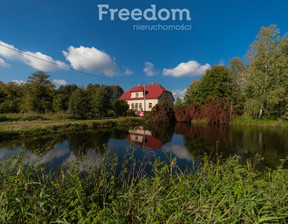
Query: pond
189,143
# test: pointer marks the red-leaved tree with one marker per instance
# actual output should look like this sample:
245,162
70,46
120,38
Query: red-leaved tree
213,112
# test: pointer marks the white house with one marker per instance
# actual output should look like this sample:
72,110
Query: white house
154,94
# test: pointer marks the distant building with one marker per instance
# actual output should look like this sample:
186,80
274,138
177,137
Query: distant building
155,94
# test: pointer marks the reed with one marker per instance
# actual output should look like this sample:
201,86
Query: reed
217,192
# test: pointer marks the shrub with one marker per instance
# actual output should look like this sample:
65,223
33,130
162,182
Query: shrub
213,112
161,113
110,113
120,107
216,112
182,114
131,113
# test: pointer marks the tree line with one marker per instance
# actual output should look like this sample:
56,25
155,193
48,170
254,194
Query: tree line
39,95
256,86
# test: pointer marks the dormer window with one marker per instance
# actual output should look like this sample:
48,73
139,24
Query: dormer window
136,94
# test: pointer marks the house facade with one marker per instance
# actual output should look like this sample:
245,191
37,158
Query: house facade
154,94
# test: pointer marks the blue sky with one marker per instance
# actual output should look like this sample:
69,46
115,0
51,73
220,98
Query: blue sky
69,33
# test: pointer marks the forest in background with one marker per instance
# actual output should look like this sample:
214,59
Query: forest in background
39,95
255,87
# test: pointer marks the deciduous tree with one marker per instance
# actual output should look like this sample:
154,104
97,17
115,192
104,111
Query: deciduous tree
120,107
266,78
79,105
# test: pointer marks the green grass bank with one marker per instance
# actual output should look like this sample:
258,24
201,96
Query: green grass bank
242,120
21,125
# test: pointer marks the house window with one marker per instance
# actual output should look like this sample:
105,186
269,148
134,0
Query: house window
140,105
132,105
150,105
136,106
137,94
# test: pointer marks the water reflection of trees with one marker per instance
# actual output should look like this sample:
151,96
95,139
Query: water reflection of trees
96,140
163,132
204,139
37,145
246,142
78,142
270,143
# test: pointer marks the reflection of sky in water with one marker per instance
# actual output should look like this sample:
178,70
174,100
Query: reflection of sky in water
61,154
188,145
6,153
53,158
175,146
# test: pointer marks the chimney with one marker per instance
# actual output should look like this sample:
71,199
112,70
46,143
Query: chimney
153,83
139,85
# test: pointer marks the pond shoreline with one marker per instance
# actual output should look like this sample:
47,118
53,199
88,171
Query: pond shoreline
22,128
17,129
245,121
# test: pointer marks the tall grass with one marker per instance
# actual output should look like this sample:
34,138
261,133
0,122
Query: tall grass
218,192
243,120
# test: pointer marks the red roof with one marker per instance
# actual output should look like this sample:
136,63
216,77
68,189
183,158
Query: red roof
152,92
150,141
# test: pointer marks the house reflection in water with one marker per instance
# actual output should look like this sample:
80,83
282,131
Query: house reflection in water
143,138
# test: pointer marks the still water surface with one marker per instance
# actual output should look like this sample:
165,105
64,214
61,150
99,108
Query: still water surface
189,143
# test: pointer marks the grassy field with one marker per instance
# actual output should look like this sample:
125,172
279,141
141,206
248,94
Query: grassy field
242,120
33,124
33,116
219,192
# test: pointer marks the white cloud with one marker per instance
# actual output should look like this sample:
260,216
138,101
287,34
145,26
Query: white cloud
18,81
91,60
10,52
30,58
188,69
179,92
3,63
128,71
42,64
221,62
59,82
149,69
180,151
